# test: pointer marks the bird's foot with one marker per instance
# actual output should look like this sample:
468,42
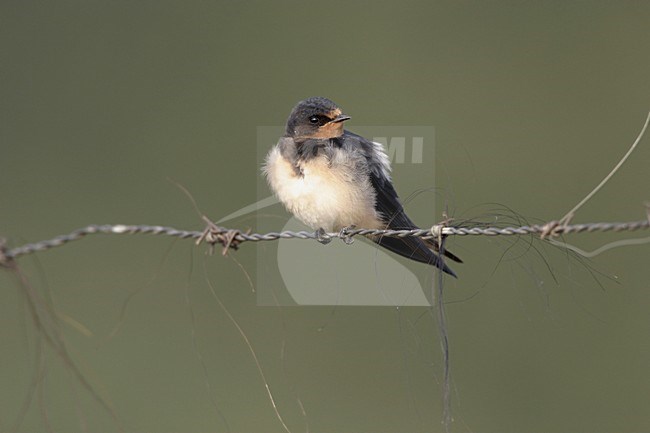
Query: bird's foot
345,234
322,236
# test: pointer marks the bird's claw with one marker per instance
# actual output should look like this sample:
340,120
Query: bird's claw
346,236
322,236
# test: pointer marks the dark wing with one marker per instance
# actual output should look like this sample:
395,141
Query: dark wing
388,205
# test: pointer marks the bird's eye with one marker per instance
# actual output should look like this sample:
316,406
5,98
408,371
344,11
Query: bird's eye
314,120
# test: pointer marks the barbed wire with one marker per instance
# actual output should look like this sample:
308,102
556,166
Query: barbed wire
231,238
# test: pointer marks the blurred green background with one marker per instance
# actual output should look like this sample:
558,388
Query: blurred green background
532,102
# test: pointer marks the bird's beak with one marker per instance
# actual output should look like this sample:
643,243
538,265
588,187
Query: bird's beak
340,118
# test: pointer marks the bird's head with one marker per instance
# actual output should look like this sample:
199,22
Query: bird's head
315,117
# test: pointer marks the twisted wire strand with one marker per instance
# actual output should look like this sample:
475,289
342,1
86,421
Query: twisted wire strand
231,238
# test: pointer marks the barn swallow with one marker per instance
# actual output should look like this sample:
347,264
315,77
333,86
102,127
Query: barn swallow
330,179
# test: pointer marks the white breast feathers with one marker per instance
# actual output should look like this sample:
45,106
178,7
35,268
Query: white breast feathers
327,192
